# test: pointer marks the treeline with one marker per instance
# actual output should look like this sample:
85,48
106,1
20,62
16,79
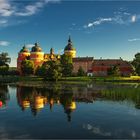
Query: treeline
54,70
51,70
4,65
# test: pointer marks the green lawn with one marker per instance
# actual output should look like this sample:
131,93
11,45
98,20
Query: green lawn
10,79
84,78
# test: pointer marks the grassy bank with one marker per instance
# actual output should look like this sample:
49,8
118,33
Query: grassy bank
10,79
119,79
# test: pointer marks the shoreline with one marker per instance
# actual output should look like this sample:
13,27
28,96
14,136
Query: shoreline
14,79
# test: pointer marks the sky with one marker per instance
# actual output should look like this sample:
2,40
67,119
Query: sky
101,29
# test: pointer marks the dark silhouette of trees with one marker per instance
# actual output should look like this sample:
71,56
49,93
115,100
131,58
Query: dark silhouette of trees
80,72
114,71
27,67
66,64
4,63
136,63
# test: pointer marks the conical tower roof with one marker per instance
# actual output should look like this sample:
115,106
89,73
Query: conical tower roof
36,48
69,46
24,49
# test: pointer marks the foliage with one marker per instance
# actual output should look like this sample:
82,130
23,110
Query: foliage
4,70
66,64
13,71
27,67
52,70
41,70
136,63
80,72
123,93
4,59
114,71
4,94
65,59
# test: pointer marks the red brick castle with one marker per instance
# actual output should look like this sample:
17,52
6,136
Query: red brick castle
91,66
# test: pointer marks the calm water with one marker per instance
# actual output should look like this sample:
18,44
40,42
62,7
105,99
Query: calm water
70,111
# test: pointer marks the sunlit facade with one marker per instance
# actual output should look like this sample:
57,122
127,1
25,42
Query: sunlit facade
38,57
96,67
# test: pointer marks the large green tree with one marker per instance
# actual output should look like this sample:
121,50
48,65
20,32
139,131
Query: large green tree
66,64
114,71
51,70
41,70
4,59
80,72
4,63
4,70
27,67
136,63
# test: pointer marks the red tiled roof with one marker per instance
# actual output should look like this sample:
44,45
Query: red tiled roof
110,62
77,59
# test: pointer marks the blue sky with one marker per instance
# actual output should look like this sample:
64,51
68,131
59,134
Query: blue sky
107,29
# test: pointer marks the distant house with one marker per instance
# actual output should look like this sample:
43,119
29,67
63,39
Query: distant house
90,72
84,62
101,66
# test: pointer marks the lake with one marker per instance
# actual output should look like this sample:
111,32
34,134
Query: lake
95,110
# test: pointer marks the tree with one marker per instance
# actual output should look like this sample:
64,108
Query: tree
4,94
114,71
67,66
41,70
27,67
136,63
4,70
80,72
52,70
4,63
4,59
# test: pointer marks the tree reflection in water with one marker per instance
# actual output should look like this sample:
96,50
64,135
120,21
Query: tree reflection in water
37,98
123,93
4,95
67,95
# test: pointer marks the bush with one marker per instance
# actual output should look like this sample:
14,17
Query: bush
4,70
81,72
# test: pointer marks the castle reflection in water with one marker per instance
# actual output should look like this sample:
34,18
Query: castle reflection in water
37,98
67,96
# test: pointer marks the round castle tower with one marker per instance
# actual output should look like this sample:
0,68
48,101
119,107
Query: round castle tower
22,55
69,49
37,56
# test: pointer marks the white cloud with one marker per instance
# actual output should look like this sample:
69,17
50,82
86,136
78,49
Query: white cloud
34,8
30,9
133,18
54,1
10,10
98,22
3,21
120,17
5,8
96,130
134,39
4,43
126,13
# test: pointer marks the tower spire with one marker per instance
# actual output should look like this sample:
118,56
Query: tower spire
51,51
69,40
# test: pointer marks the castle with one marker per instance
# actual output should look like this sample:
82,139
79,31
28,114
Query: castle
91,66
39,57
